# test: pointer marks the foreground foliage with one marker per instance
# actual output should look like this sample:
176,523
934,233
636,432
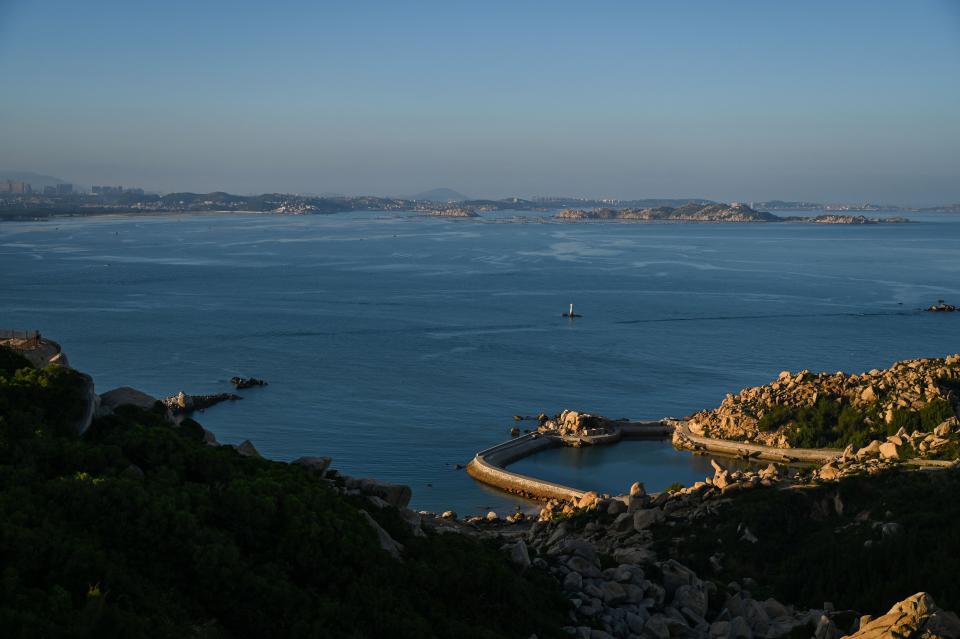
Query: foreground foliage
859,544
140,530
834,423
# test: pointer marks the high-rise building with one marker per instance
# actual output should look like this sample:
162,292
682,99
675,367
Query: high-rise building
64,189
15,186
107,190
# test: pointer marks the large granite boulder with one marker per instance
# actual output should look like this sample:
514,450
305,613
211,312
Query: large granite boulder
914,617
316,465
397,495
387,543
91,405
127,396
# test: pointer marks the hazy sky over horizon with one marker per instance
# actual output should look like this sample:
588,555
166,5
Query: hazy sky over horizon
829,101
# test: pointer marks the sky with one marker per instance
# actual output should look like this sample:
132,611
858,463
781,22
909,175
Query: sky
848,101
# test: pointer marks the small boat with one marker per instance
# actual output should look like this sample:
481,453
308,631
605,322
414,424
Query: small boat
942,307
571,314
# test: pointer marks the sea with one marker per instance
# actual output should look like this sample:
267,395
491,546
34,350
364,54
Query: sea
400,345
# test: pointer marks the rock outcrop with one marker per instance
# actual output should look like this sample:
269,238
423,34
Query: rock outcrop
127,396
397,495
916,617
909,385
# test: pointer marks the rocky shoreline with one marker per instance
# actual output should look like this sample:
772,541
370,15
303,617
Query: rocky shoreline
620,560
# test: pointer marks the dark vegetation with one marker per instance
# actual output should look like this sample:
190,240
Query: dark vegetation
812,548
834,423
140,530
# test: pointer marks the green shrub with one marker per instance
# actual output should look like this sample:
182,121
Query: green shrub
834,423
198,541
809,551
775,418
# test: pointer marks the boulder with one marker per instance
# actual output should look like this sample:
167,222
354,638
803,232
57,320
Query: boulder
247,449
613,593
127,396
945,427
656,628
636,555
316,465
412,519
888,450
519,554
209,438
675,575
829,472
869,451
387,543
584,567
692,601
643,519
616,507
573,582
397,495
588,499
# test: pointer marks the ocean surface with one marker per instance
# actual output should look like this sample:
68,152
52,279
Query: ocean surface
400,345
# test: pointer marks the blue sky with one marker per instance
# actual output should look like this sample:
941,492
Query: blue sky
834,101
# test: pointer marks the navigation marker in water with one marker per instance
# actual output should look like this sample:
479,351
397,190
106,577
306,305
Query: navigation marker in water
571,314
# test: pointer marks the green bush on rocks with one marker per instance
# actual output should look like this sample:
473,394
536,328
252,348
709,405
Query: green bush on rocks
140,530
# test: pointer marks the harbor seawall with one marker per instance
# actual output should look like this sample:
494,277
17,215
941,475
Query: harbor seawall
489,466
685,439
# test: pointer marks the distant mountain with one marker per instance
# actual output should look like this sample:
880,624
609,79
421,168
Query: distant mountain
440,195
36,180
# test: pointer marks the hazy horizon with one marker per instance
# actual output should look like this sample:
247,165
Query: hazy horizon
748,101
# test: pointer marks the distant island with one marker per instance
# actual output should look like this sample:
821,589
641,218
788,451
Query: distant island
454,212
38,197
27,204
734,212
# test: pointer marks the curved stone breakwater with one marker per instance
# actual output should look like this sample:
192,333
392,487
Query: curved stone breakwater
490,466
577,429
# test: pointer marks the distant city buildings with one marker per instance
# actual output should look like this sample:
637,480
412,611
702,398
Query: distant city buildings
115,190
15,186
58,189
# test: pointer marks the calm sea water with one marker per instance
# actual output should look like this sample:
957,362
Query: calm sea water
400,345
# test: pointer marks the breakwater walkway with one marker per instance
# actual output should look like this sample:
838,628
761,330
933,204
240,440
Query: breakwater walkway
489,466
684,438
